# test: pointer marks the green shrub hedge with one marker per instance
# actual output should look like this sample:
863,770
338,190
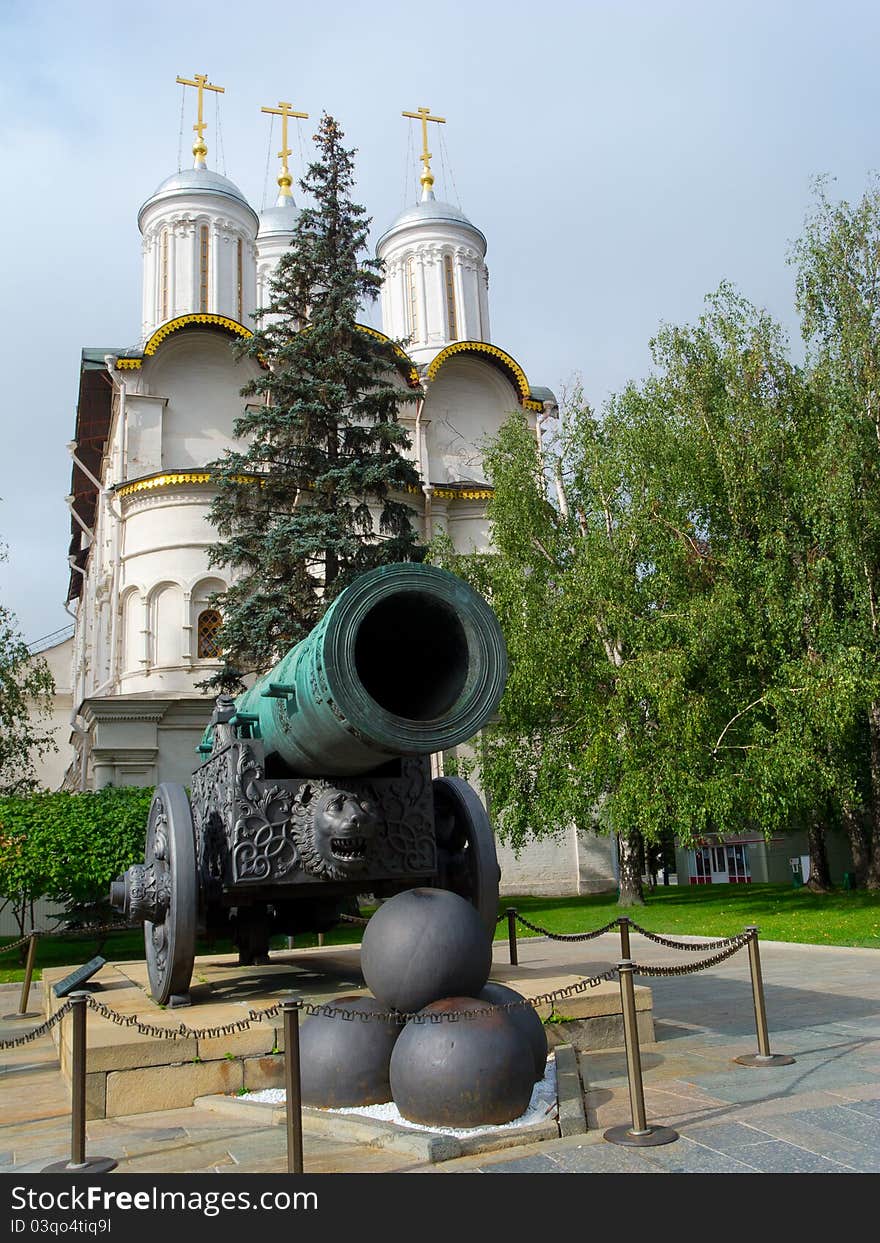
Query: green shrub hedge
69,847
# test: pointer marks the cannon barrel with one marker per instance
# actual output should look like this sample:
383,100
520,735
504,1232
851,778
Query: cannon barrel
408,660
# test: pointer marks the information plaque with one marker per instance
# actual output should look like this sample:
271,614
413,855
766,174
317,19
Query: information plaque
77,978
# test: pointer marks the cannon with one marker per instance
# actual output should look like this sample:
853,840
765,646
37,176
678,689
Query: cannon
316,784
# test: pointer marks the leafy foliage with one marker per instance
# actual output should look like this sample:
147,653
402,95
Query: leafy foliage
26,688
683,653
69,847
311,502
838,295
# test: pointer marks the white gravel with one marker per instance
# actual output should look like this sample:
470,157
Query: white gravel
542,1105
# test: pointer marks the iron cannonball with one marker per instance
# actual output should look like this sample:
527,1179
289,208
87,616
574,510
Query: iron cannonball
462,1073
346,1061
524,1019
424,945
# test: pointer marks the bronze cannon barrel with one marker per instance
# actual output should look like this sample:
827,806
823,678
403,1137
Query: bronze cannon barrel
408,660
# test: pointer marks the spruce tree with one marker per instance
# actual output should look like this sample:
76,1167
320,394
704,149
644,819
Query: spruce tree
313,499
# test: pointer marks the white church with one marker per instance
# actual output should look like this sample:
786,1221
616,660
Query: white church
151,416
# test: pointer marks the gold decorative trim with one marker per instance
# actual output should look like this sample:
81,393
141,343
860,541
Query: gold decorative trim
462,494
457,494
182,478
128,364
163,481
483,347
185,321
175,480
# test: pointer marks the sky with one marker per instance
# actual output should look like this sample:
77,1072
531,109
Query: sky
622,159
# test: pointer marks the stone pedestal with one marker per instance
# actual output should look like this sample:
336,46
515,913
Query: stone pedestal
129,1073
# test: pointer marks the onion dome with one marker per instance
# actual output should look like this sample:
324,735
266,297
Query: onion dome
436,283
200,181
431,211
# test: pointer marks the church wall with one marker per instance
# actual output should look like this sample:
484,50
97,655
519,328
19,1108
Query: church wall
197,374
177,758
468,526
166,583
466,405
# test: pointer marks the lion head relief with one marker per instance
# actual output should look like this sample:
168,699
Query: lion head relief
333,829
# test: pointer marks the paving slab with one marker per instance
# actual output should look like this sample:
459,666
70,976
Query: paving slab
819,1115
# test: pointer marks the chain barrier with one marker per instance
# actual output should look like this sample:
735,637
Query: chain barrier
566,936
8,949
453,1016
690,946
91,930
354,919
702,965
181,1032
35,1032
87,930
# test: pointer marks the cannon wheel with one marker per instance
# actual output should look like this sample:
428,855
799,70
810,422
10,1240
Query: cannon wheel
466,860
171,945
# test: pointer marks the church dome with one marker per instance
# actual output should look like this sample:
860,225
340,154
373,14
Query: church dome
280,219
189,181
431,211
435,287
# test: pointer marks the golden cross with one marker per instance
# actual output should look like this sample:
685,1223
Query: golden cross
284,111
201,83
424,115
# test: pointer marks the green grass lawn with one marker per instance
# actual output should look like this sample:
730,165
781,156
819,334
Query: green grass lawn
782,913
129,945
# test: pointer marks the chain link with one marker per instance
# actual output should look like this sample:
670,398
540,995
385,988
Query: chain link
354,919
181,1032
690,946
690,968
34,1034
567,936
453,1016
8,949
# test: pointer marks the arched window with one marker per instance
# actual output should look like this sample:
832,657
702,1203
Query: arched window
208,627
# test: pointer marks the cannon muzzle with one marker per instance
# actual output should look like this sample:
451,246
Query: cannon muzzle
408,660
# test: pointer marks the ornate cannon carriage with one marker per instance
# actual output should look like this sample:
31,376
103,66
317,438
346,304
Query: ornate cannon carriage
316,784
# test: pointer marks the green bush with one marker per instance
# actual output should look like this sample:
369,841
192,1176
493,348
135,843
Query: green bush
69,847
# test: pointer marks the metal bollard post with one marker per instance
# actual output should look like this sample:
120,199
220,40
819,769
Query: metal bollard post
640,1134
511,935
23,1012
623,923
290,1008
320,938
78,1164
763,1057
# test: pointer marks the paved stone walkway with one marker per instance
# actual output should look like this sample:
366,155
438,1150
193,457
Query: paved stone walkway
820,1115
